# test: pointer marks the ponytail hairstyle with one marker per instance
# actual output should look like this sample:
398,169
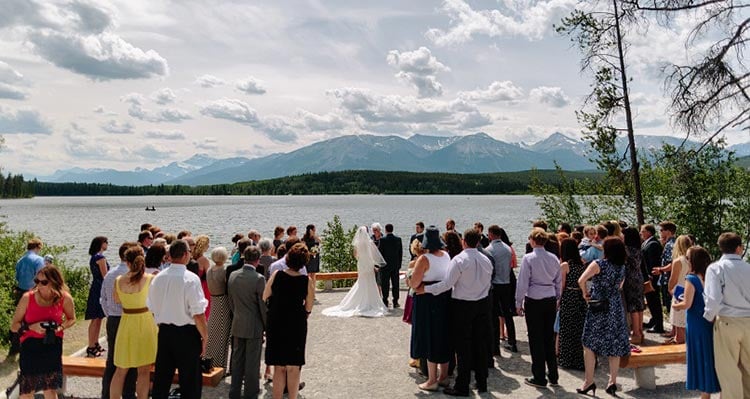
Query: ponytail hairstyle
136,263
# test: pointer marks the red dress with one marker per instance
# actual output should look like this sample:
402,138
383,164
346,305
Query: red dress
206,292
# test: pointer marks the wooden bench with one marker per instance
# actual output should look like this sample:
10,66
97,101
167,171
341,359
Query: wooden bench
329,277
643,363
94,367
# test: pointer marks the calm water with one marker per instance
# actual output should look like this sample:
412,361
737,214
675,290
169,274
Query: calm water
76,220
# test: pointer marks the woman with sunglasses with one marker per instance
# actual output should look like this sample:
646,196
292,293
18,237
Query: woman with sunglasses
40,323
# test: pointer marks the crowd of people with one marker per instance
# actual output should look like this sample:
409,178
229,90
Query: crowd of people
582,291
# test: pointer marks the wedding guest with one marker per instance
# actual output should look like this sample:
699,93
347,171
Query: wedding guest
278,237
218,325
266,257
632,287
145,239
311,240
651,250
485,240
572,307
291,301
135,346
549,246
452,243
248,325
667,232
145,226
98,266
513,282
169,238
469,277
450,226
199,255
291,232
537,294
727,296
501,256
418,235
235,250
41,361
393,251
377,233
254,235
184,233
565,228
26,269
594,251
280,264
701,372
113,311
192,265
242,245
177,301
605,332
679,268
155,258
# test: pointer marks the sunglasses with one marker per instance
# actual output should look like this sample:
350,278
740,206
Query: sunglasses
42,282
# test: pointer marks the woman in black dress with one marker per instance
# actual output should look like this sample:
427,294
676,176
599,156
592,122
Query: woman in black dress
572,307
632,287
313,247
290,296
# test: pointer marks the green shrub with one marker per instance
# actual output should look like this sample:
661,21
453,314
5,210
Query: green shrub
12,247
337,253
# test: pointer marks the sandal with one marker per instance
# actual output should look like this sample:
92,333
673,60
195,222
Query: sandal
670,341
635,349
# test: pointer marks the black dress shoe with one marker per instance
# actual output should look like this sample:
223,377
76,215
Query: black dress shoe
454,392
513,348
534,383
656,330
396,305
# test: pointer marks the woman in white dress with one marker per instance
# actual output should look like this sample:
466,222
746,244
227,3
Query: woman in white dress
364,298
677,317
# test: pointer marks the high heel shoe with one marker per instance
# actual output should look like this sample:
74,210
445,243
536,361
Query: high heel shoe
611,389
585,391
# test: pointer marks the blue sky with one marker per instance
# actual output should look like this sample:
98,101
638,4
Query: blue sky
123,84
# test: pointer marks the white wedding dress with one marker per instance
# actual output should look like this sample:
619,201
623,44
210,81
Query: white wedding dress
364,298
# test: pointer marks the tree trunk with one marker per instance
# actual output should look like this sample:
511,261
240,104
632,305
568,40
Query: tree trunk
634,166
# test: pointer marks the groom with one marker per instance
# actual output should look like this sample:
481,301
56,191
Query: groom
392,251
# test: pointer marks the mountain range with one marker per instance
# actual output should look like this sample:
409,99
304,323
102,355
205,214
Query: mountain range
476,153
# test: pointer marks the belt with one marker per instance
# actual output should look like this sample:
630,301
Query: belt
134,310
572,289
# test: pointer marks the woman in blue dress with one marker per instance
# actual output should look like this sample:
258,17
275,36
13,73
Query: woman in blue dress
605,332
701,373
99,266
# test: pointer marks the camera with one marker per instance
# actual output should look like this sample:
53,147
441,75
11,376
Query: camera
49,331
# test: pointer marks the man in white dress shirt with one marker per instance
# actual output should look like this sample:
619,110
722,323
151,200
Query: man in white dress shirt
727,296
470,277
179,305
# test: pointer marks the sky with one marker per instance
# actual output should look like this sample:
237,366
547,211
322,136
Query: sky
141,83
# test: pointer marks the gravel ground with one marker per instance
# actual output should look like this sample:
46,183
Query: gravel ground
367,358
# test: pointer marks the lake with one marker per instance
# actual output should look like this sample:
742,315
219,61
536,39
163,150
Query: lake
74,221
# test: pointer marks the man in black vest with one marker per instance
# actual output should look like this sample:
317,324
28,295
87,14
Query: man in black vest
392,250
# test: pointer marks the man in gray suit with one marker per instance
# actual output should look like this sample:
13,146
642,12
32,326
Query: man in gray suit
246,301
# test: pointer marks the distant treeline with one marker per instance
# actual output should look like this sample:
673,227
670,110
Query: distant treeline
13,186
346,182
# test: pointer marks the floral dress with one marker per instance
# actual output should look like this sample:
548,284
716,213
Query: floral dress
606,333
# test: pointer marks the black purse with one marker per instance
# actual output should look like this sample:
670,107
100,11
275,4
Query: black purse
598,305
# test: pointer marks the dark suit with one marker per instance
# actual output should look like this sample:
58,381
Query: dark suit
651,250
392,250
193,266
249,321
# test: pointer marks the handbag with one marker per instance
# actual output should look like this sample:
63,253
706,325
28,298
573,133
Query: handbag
648,287
598,305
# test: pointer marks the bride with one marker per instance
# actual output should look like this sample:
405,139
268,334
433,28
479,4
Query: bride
364,298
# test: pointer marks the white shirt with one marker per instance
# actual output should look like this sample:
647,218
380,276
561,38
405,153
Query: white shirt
727,291
176,296
280,265
470,276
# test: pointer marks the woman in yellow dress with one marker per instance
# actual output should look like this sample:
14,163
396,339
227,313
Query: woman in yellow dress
135,345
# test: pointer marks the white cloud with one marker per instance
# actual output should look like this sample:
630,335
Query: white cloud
136,109
78,36
163,96
115,127
553,96
497,91
251,85
418,68
22,121
314,122
11,92
9,75
165,134
231,109
273,127
208,143
133,98
530,19
209,81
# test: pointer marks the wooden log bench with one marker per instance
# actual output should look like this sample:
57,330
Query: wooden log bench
94,367
643,363
328,278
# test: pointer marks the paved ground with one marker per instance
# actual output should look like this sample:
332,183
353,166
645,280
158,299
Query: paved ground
367,358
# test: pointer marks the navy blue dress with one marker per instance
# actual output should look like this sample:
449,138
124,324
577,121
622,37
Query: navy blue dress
93,307
606,333
701,373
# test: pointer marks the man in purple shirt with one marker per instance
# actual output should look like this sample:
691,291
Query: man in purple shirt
537,293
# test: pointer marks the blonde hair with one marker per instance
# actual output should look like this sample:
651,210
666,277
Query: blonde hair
219,255
681,246
416,247
617,232
201,245
539,236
